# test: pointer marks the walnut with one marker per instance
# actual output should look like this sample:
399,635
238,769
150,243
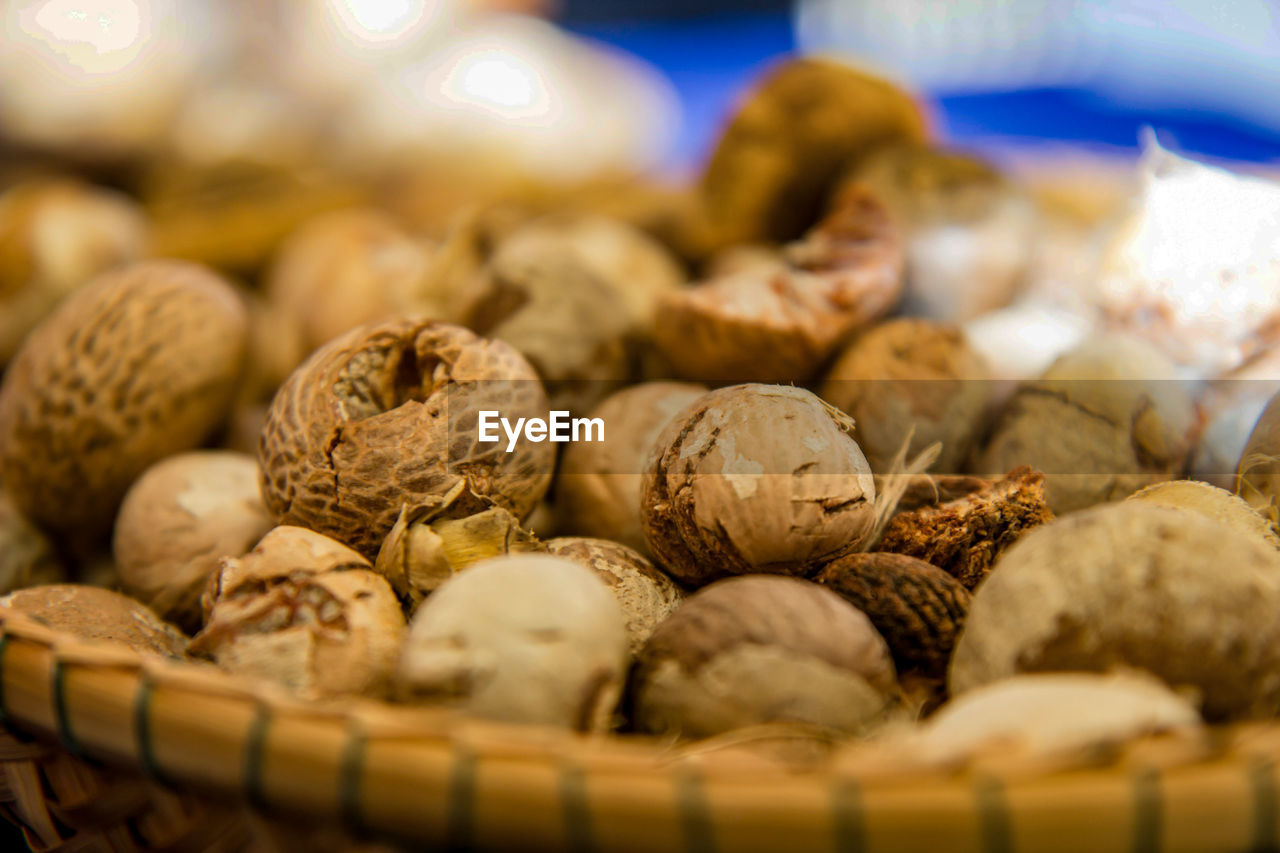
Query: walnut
755,478
1105,420
526,638
763,649
97,614
845,273
384,418
139,364
598,484
178,519
918,608
305,611
1125,584
911,376
965,537
645,594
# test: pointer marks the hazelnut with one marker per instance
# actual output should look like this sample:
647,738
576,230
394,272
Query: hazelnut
1211,502
598,485
646,595
385,418
911,377
140,364
305,611
178,519
801,127
755,478
917,607
1105,420
425,549
966,536
753,650
845,273
1128,584
27,557
54,237
969,232
525,638
97,614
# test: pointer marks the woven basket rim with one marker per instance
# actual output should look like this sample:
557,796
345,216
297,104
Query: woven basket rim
437,777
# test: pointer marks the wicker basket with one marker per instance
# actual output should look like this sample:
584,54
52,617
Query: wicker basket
110,750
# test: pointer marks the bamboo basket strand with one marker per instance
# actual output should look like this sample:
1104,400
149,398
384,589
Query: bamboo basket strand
186,747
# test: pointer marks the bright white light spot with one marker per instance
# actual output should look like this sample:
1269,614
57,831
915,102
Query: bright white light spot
498,82
381,20
105,26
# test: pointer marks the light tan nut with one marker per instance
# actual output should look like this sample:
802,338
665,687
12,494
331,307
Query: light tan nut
97,614
966,537
598,484
845,273
754,650
755,478
645,594
137,365
178,519
304,611
1211,502
386,418
526,638
912,377
1106,419
1136,585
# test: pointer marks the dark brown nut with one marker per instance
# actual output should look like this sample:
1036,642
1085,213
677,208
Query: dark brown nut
140,364
754,650
385,418
424,550
918,608
97,614
924,490
804,125
1106,419
178,519
969,232
598,484
27,557
1135,585
305,611
845,273
965,537
755,478
54,237
645,594
527,638
911,377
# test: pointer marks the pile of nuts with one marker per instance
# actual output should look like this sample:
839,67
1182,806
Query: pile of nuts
291,481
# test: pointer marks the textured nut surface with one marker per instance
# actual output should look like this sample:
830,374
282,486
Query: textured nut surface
1137,585
918,608
846,272
1211,502
385,418
598,484
178,519
755,478
91,613
27,557
966,536
914,376
645,594
763,649
137,365
305,611
1106,419
527,638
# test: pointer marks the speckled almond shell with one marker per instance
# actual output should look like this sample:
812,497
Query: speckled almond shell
95,614
755,478
385,417
140,364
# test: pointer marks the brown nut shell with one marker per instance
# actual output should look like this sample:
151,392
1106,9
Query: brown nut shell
386,418
755,478
27,557
140,364
97,614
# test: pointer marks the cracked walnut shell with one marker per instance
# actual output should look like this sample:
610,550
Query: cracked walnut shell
755,478
385,417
